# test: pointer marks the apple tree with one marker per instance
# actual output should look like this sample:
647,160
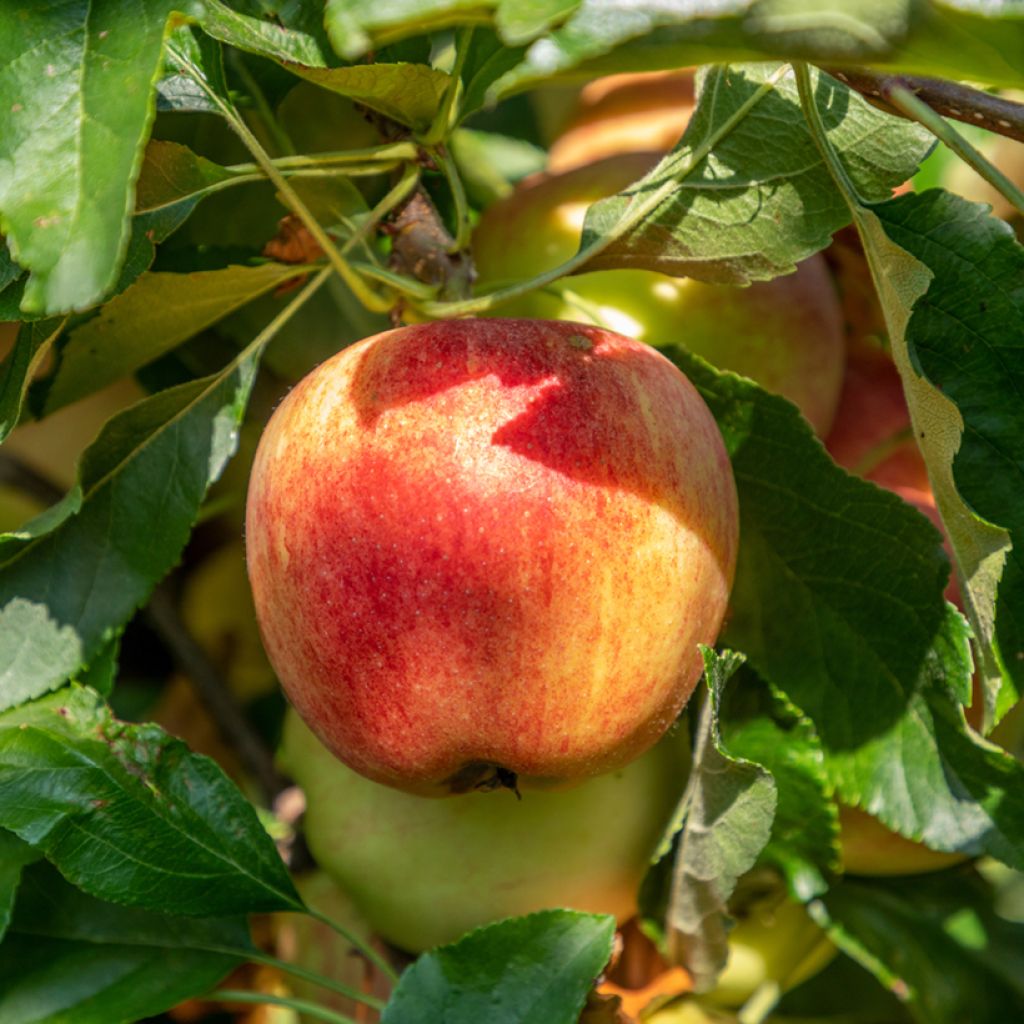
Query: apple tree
202,200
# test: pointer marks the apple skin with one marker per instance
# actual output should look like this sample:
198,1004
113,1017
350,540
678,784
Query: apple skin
869,848
424,872
775,940
635,112
481,549
786,334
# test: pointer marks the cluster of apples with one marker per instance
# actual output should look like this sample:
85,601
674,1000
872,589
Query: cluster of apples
483,554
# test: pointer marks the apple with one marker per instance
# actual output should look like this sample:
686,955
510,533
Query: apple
423,872
487,550
869,848
311,945
786,334
635,112
774,941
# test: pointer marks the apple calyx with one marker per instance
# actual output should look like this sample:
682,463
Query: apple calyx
483,777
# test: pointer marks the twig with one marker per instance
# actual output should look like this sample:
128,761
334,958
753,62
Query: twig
304,1006
213,692
23,477
911,106
190,657
641,205
951,99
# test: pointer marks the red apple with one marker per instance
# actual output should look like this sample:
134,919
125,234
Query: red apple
640,112
424,872
786,334
488,549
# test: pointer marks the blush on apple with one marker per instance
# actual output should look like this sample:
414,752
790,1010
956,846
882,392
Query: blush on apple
487,550
786,334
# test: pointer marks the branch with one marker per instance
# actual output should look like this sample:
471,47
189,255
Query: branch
162,614
213,692
950,99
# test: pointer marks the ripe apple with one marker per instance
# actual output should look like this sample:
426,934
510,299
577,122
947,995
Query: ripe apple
423,872
639,112
786,334
488,549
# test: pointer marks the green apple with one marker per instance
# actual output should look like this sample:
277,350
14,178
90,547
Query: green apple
774,942
423,871
786,334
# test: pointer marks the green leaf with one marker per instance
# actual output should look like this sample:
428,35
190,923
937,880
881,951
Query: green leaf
936,939
523,20
838,604
70,958
527,970
962,361
355,26
77,83
488,57
157,313
128,814
765,730
63,593
490,164
723,822
264,38
407,93
15,855
9,270
171,172
947,38
748,211
17,370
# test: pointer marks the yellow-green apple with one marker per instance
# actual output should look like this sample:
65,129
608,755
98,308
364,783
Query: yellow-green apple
483,550
423,872
869,848
786,334
636,112
775,942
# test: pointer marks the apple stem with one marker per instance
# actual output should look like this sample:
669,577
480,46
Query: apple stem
358,285
361,944
316,979
228,995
